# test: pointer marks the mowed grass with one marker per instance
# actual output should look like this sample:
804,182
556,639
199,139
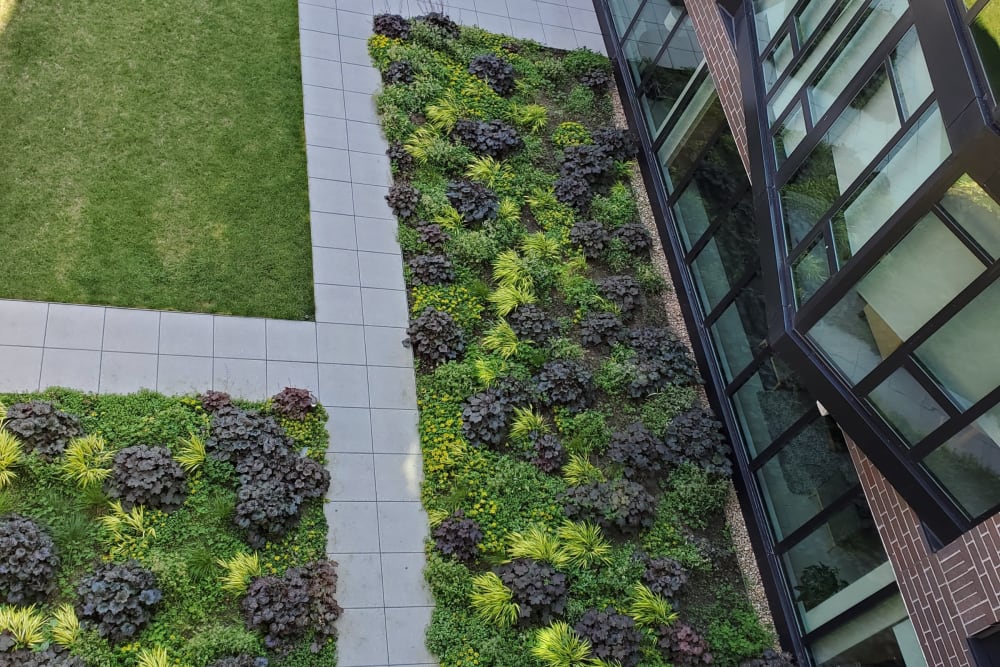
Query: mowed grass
152,155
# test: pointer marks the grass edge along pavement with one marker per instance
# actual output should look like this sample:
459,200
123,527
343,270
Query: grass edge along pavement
201,516
574,489
154,157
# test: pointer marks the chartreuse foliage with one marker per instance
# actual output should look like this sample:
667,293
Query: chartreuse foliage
506,146
198,562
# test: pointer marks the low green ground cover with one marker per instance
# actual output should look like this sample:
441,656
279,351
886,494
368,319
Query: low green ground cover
119,535
152,155
574,486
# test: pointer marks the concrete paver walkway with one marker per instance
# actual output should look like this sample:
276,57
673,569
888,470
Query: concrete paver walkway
352,357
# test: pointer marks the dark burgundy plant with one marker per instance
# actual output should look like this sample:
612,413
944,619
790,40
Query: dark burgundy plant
591,237
664,576
28,561
458,537
539,591
637,452
430,269
494,138
399,71
400,157
391,25
618,504
574,191
237,433
442,23
565,383
148,476
595,79
623,291
696,436
633,237
433,235
475,202
435,337
484,417
118,600
294,403
600,328
683,646
771,658
532,323
618,143
213,401
497,73
288,607
403,199
42,428
614,638
547,453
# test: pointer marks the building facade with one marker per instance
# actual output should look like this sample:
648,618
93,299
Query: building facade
845,307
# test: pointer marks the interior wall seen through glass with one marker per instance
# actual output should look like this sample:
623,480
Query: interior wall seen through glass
907,287
768,403
740,330
882,637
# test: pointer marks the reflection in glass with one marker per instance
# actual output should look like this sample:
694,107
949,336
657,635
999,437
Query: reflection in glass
907,406
700,123
622,12
976,211
861,131
740,330
810,271
769,16
847,51
807,474
811,16
831,558
776,61
909,71
925,271
788,136
986,33
964,354
968,465
651,29
665,80
768,403
725,258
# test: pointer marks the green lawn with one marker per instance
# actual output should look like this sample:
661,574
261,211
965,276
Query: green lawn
152,154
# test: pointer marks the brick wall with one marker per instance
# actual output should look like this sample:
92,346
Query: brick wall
714,40
951,594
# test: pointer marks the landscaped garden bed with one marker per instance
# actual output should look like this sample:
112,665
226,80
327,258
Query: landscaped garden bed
574,484
152,155
146,531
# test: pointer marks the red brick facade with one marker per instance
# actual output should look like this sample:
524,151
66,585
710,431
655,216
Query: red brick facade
952,594
718,49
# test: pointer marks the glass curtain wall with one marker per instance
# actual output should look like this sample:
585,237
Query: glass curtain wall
820,526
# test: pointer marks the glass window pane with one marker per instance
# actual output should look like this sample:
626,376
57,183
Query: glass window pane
849,50
740,331
650,32
964,354
907,406
831,558
905,289
968,465
788,136
976,212
807,474
861,131
769,16
664,81
699,124
768,403
622,11
810,16
986,33
776,61
810,271
692,215
906,168
881,636
909,70
727,256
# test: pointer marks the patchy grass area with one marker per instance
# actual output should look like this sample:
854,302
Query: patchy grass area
133,527
574,485
152,155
